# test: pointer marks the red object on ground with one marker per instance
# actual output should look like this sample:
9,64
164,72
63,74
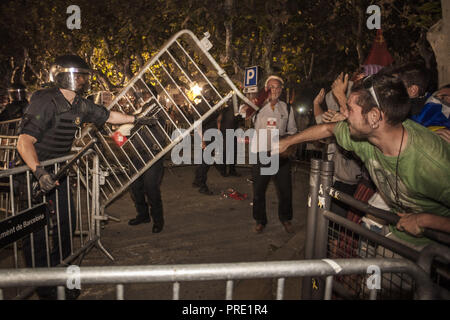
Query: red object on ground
233,194
379,53
119,138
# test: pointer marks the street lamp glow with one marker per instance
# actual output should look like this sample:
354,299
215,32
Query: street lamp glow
196,90
301,109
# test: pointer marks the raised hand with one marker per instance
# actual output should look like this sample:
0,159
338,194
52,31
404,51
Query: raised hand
340,85
320,97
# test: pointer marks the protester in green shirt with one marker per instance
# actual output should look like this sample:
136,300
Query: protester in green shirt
409,164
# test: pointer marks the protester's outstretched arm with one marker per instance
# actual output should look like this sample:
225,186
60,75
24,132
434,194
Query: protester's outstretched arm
313,133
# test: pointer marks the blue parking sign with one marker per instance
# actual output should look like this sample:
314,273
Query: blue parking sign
251,77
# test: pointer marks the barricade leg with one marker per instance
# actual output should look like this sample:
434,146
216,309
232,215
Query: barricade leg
321,236
98,212
314,181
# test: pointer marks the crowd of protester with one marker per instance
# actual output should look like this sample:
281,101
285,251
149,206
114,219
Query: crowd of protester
399,114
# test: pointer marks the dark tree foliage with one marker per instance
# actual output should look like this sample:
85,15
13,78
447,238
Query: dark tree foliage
307,42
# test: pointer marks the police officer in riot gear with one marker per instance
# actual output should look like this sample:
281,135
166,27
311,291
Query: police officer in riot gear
48,130
18,102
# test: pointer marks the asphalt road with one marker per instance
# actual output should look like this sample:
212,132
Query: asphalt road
202,229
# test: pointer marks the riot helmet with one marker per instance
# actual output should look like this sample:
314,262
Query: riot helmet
70,72
17,92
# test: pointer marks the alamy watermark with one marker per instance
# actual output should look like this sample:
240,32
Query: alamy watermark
262,141
74,20
74,279
374,280
374,21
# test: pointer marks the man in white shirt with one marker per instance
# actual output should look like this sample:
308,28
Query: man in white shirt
274,115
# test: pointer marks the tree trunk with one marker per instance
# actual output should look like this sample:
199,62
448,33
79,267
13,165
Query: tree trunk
228,30
39,76
359,32
439,38
424,50
311,65
268,44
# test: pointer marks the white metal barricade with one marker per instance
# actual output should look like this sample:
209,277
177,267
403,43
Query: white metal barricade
180,86
229,272
8,154
8,142
45,230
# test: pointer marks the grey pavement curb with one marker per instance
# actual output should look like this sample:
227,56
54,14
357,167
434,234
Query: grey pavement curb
265,289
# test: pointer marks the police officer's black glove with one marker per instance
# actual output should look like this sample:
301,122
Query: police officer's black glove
148,121
46,180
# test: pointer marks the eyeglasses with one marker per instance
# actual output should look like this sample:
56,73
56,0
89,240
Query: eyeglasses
368,85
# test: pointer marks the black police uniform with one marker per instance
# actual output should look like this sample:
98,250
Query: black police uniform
53,121
228,121
148,184
201,173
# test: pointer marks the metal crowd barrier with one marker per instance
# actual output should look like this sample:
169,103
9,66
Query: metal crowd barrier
32,212
329,235
229,272
181,86
8,142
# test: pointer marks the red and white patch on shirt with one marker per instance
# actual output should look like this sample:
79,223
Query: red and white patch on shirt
271,123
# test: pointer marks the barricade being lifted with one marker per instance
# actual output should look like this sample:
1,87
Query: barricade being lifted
180,86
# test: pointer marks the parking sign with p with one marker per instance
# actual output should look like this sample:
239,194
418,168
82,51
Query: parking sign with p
251,77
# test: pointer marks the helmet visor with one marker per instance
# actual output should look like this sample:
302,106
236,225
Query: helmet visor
78,82
81,81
